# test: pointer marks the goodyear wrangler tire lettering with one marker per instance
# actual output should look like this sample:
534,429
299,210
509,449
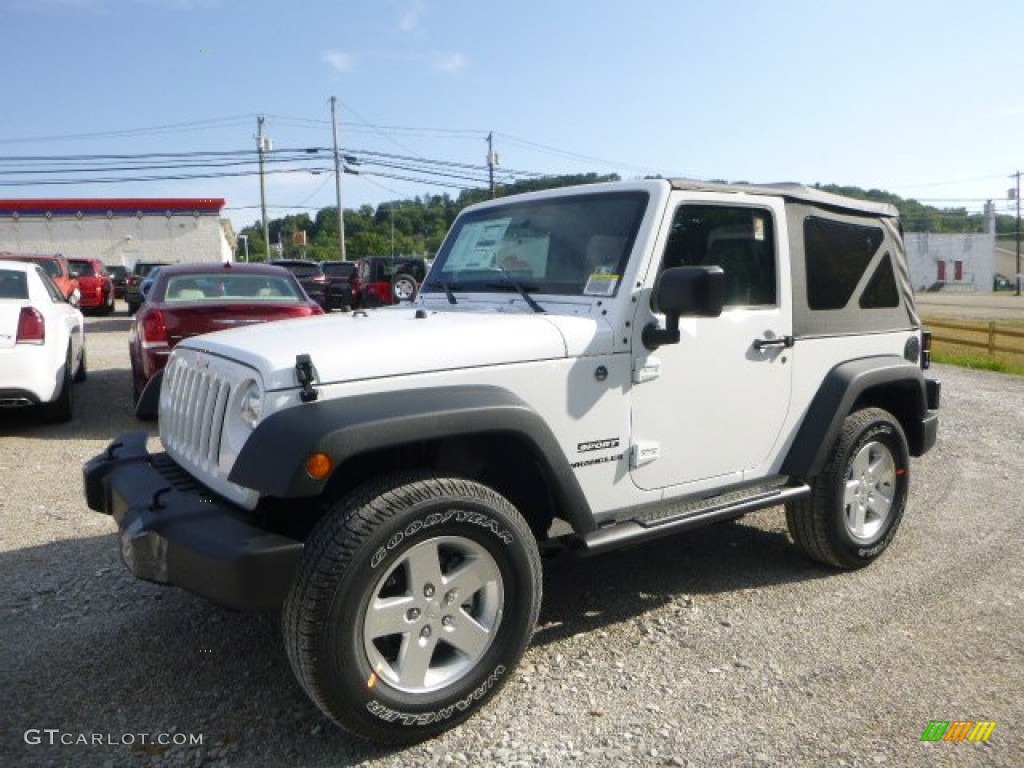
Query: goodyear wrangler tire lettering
858,500
426,718
416,595
436,519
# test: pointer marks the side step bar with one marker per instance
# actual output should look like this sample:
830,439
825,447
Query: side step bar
676,516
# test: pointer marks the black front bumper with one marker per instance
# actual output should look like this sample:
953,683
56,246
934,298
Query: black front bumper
175,531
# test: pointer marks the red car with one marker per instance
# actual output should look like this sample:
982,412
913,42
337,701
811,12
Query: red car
94,284
190,299
55,265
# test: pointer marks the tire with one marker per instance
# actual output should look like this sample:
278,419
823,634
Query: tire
372,582
133,307
403,288
62,408
857,502
82,373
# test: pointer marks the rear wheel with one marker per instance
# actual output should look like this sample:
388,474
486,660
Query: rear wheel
415,600
82,373
63,406
857,502
403,288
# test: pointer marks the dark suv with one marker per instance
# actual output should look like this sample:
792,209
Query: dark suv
386,280
310,277
339,288
133,284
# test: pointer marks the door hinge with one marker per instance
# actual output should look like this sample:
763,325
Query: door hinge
643,452
646,369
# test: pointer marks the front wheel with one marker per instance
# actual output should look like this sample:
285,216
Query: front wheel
857,502
415,600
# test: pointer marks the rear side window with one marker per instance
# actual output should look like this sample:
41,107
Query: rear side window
83,268
837,254
13,285
881,290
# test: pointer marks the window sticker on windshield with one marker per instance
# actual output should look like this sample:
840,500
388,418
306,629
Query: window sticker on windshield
601,284
758,228
477,245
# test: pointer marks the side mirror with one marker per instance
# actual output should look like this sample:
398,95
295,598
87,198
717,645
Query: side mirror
684,291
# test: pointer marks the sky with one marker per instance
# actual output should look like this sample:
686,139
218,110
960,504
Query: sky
918,98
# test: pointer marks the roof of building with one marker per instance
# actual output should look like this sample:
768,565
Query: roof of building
75,205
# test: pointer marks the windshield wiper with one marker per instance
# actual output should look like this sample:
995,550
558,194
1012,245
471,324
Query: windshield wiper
444,286
447,292
522,291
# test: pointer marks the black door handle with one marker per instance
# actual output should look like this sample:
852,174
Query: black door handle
783,341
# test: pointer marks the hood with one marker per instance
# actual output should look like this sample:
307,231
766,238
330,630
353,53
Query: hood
396,342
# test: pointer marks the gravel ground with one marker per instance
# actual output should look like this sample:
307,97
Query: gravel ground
722,647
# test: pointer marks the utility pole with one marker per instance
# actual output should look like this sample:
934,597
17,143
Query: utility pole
490,160
337,179
262,145
1016,194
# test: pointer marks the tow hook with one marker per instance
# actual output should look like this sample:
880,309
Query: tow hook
304,375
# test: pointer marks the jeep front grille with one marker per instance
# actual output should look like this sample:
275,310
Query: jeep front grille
193,417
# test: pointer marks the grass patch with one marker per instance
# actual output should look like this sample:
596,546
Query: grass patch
977,362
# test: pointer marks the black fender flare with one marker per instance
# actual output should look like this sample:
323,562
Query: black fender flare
836,398
272,461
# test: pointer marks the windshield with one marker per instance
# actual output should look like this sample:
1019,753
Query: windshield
52,266
575,246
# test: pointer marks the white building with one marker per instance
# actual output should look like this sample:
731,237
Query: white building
118,230
950,262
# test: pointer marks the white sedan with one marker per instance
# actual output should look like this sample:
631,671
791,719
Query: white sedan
42,342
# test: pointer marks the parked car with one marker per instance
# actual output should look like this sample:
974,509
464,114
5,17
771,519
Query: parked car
385,280
133,285
311,277
1003,283
147,281
339,287
118,275
95,287
187,300
42,342
56,267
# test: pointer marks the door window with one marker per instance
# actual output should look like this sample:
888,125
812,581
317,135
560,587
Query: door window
739,240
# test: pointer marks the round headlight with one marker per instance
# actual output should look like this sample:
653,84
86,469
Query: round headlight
251,404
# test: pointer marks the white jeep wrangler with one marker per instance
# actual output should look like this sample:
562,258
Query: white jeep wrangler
598,365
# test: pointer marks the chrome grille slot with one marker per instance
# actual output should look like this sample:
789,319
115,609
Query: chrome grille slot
193,422
197,427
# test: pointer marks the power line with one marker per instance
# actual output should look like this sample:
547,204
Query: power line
126,132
